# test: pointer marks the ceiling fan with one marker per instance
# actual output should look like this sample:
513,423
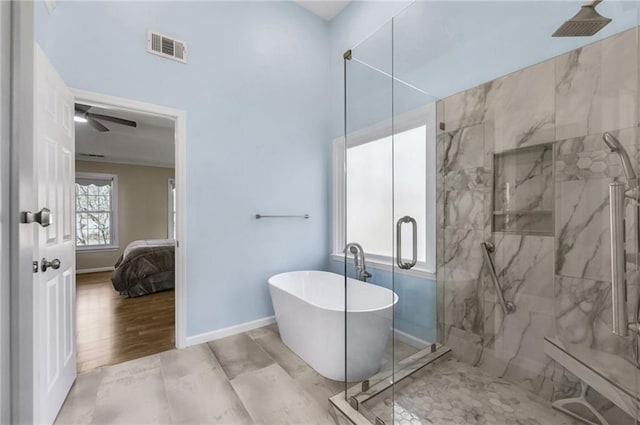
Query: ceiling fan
82,114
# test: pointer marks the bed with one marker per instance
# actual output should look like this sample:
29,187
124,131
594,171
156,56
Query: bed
145,267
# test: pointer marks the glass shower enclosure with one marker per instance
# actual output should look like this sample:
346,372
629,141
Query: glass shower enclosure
475,176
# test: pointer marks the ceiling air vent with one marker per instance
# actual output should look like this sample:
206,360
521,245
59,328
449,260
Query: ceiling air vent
167,47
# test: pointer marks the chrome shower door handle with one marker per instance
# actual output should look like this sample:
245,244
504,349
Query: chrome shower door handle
414,258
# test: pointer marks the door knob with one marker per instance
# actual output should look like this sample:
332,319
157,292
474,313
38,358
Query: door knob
54,264
44,217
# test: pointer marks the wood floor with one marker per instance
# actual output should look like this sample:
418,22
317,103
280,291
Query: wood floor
112,329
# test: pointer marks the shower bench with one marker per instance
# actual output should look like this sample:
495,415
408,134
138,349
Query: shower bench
608,374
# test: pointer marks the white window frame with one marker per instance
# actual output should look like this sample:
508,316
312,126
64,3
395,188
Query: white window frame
425,115
171,231
114,212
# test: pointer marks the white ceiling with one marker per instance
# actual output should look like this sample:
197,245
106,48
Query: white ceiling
327,9
150,143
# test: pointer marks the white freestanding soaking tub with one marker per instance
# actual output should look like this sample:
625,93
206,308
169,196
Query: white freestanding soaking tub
309,307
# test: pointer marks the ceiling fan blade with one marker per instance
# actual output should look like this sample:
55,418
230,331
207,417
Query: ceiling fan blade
120,121
95,124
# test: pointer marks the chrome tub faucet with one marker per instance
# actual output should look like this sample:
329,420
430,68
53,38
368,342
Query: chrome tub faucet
359,260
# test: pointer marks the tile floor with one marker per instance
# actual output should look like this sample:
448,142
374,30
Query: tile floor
244,379
451,392
253,378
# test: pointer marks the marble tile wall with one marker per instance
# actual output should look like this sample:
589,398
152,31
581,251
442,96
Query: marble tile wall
560,283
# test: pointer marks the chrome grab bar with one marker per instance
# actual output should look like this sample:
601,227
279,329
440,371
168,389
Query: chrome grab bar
414,258
620,323
507,306
259,216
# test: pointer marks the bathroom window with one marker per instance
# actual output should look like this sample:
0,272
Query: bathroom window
95,211
385,181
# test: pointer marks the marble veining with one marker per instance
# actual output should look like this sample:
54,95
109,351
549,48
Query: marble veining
597,87
521,106
584,316
582,223
587,157
559,279
525,266
462,257
464,148
465,108
464,209
524,180
477,179
461,306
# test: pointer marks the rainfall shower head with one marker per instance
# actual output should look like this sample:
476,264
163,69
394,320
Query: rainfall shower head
586,23
616,147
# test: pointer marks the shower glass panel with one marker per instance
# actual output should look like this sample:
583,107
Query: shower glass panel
490,139
368,213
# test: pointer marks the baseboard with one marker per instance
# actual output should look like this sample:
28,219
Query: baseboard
413,341
96,270
231,330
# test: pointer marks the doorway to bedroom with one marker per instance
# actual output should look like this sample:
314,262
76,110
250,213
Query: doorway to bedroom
126,209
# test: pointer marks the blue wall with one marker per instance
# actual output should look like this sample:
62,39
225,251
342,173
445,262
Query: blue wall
357,22
415,312
255,92
263,95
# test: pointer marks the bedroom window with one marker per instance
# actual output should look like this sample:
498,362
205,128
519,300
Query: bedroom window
95,211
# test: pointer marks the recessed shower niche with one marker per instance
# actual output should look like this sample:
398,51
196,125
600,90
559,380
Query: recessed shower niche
523,191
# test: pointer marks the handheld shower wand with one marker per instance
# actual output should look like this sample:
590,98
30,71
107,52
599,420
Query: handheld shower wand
616,147
617,206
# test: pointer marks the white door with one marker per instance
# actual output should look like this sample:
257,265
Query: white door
54,287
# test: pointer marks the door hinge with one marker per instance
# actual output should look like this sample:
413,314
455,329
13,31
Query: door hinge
34,267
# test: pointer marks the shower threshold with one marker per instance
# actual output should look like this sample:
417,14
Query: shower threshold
438,389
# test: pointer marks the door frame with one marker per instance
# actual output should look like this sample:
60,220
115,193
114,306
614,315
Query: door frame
180,140
19,402
22,198
5,205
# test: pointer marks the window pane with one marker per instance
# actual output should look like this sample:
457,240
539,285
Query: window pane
81,229
93,214
92,190
99,228
102,203
369,180
370,177
410,183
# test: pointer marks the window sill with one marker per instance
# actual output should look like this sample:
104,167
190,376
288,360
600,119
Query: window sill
100,248
375,263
